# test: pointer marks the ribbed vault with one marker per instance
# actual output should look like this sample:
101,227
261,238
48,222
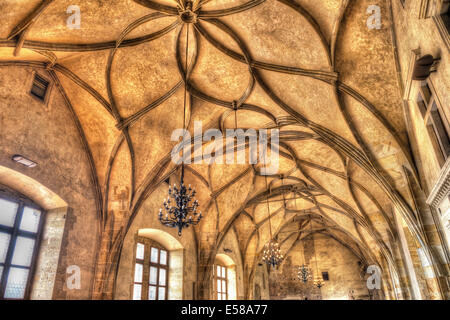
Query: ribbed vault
310,68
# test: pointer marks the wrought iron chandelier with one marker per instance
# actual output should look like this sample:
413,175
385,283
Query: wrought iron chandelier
182,214
272,253
303,273
318,282
317,279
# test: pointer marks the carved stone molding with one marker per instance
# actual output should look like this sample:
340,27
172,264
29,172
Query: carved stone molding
423,9
414,55
442,186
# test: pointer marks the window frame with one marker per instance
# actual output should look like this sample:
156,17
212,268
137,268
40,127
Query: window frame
146,262
15,232
216,277
434,120
435,9
48,91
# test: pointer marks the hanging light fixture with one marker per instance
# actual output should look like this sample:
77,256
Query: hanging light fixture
318,282
182,214
317,279
303,273
272,253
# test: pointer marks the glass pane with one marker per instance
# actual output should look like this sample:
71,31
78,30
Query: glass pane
224,286
138,272
224,296
4,243
8,212
163,257
1,271
137,292
218,271
30,220
153,275
151,293
224,272
17,282
140,251
162,277
154,255
219,287
23,252
162,294
219,296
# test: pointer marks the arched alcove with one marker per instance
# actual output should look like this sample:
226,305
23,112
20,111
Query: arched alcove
231,279
45,269
31,188
183,251
176,259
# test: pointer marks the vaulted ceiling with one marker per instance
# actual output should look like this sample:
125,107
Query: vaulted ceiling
311,68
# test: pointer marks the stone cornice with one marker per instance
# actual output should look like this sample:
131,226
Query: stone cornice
442,186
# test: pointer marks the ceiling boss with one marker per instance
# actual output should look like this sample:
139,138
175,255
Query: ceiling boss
187,13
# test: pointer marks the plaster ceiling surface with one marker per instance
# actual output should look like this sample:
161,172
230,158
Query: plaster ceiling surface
311,68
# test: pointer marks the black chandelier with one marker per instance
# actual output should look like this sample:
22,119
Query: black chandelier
317,279
303,273
182,214
272,253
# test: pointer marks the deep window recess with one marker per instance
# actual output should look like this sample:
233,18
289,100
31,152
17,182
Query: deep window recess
325,276
221,282
433,116
39,87
445,14
20,228
151,270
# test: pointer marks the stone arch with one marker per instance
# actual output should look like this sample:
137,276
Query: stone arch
43,281
176,259
228,262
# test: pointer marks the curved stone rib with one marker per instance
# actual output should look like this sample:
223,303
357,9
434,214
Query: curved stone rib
113,51
337,28
361,99
66,72
29,20
69,47
129,121
228,11
158,6
327,76
302,11
94,93
114,109
85,145
112,158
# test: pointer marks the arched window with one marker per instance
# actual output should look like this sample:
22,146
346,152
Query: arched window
21,224
221,282
151,270
224,275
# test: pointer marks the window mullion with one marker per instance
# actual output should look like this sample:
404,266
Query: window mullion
145,273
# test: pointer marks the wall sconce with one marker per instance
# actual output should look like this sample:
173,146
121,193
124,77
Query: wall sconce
24,161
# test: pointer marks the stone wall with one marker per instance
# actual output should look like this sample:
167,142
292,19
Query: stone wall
345,279
230,247
47,135
147,218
